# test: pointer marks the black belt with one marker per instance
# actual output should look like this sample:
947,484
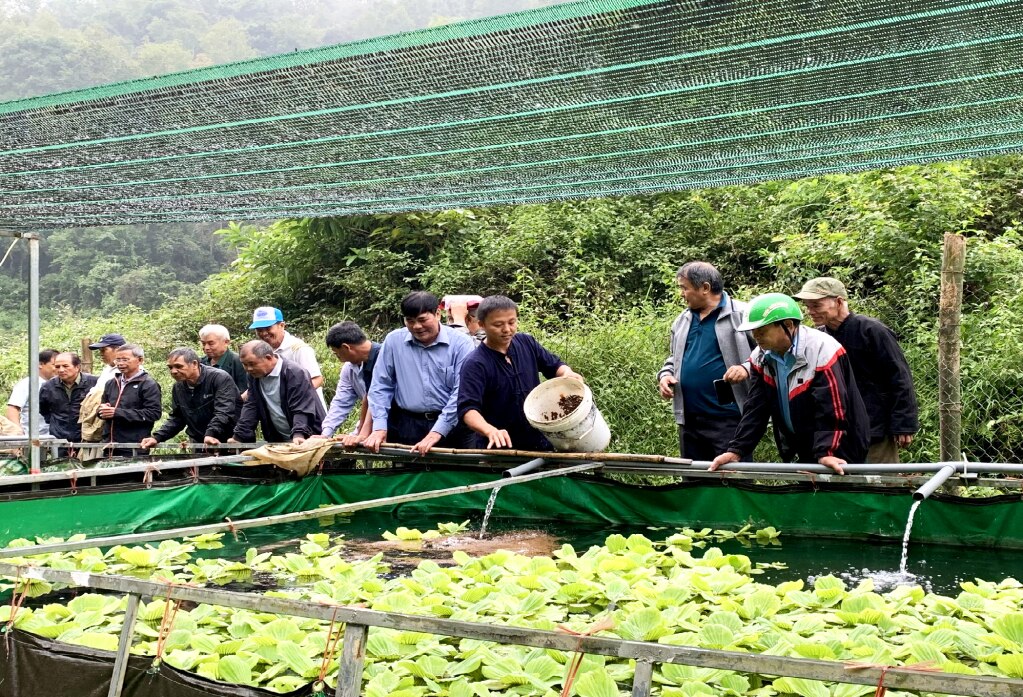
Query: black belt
426,415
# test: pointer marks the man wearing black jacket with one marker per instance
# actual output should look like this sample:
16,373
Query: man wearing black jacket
131,400
204,402
282,400
882,373
60,398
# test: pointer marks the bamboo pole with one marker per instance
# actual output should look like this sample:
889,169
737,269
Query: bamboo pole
353,658
642,679
397,448
950,406
157,466
35,452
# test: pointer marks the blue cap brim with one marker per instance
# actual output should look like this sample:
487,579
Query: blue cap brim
263,324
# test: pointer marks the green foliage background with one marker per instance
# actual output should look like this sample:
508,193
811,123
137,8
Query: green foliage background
596,280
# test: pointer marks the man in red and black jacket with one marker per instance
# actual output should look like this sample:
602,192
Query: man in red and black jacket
803,382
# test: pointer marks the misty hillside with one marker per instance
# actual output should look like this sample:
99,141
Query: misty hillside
57,45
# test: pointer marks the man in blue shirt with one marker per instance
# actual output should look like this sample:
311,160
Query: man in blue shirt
706,346
413,397
500,373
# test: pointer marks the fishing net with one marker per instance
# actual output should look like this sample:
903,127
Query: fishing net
299,458
582,99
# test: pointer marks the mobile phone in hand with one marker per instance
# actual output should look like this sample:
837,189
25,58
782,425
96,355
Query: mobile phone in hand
724,392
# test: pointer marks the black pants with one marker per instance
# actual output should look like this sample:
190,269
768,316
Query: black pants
705,437
408,428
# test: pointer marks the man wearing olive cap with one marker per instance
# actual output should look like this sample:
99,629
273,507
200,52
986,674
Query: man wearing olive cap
882,373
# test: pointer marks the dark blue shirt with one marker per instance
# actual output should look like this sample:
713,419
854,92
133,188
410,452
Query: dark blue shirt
496,385
702,364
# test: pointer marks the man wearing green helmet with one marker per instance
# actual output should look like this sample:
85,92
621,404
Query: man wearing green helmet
803,382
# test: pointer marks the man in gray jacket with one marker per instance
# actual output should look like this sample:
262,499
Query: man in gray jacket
706,347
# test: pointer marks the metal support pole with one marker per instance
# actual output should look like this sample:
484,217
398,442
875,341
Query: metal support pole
642,679
35,450
124,647
353,657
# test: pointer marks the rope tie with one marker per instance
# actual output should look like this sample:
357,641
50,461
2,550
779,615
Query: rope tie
328,653
166,624
232,529
74,482
147,475
577,658
194,471
16,602
925,667
812,476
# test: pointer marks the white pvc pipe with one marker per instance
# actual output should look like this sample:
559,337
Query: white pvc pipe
934,482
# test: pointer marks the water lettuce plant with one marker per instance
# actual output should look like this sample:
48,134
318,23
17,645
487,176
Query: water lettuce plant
678,590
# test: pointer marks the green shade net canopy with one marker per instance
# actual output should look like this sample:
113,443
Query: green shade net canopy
583,99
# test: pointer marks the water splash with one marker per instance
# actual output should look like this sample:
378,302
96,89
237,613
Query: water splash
905,538
490,508
889,580
885,580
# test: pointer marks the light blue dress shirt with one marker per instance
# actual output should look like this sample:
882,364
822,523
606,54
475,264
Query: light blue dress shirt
350,389
783,365
419,378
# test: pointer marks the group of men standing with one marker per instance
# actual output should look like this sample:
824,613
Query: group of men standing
428,384
836,394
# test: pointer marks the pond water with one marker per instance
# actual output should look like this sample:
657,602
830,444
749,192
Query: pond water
936,568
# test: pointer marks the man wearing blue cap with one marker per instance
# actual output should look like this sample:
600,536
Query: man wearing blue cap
107,346
270,327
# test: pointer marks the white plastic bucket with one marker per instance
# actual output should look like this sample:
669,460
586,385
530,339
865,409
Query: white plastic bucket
582,429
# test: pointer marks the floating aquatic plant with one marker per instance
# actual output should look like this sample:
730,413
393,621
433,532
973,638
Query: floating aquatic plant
668,591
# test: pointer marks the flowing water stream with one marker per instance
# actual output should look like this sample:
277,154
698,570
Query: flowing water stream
905,538
490,509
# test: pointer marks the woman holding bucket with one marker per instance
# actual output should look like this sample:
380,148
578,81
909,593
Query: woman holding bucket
500,373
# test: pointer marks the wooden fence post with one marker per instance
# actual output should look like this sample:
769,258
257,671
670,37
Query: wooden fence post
353,658
124,646
642,678
950,405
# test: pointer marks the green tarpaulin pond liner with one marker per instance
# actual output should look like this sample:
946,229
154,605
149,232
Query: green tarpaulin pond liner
175,499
